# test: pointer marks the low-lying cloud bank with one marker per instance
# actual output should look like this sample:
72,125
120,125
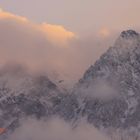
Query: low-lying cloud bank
56,129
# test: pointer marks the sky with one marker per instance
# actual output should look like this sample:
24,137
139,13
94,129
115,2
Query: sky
62,37
79,16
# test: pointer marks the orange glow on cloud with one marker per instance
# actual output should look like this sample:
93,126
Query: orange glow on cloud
7,15
56,34
104,32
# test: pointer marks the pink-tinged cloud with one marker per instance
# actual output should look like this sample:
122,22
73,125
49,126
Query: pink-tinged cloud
47,48
7,15
57,34
104,32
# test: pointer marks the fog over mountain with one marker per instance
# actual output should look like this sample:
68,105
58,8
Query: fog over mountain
48,48
104,104
56,84
113,83
56,129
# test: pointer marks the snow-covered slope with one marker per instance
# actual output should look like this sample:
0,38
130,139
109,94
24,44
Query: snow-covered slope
110,89
108,95
24,95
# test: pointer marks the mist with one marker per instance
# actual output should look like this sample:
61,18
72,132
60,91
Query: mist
99,89
50,49
56,129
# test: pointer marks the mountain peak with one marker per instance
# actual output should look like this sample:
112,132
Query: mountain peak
129,34
128,39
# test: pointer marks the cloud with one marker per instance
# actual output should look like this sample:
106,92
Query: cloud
48,48
22,41
1,9
5,15
56,129
99,89
57,34
104,32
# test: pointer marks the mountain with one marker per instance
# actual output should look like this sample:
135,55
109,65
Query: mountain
24,95
108,95
110,89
